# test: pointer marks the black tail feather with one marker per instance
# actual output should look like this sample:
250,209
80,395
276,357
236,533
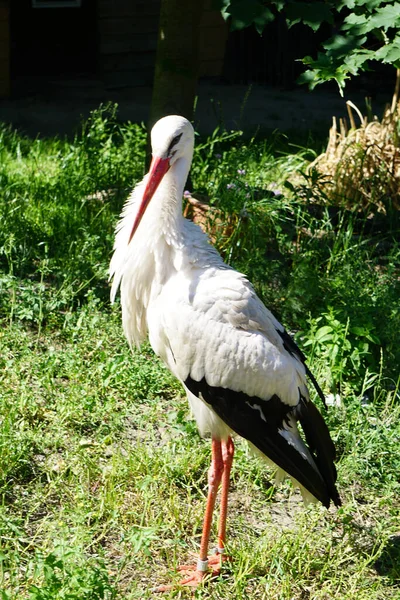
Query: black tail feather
320,443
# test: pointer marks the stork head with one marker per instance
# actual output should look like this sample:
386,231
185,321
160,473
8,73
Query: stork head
172,139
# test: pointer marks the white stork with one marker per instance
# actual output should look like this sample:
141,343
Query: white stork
242,372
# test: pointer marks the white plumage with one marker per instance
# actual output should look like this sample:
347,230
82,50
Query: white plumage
207,324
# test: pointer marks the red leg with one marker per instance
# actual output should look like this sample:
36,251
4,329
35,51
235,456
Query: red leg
228,450
214,478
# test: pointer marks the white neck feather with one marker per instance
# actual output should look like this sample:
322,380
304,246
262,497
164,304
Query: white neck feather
156,249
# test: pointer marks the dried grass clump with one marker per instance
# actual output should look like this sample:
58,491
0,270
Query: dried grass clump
361,165
213,221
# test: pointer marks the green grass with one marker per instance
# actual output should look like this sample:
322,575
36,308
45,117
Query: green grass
102,471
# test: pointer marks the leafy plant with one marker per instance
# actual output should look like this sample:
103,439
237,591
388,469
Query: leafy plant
61,580
366,31
369,31
343,350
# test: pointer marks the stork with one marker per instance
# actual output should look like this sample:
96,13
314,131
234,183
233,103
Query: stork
242,372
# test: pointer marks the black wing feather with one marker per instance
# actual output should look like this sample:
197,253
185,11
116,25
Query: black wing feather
290,345
262,423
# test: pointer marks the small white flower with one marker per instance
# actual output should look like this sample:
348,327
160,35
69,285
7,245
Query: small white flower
333,400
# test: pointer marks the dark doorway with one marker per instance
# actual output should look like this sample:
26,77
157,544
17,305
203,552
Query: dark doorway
53,38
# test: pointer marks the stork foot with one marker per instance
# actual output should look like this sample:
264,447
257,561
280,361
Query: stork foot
214,564
194,578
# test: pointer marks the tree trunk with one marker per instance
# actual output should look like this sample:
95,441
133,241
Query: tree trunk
176,70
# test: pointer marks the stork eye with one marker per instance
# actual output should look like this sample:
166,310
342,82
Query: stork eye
173,143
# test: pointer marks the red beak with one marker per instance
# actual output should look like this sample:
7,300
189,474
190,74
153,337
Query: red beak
158,168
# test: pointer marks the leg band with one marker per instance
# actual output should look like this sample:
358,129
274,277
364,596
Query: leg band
202,565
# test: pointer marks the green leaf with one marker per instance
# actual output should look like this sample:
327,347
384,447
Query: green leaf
340,46
390,53
361,331
350,4
383,18
358,60
311,14
308,77
324,69
356,24
387,16
324,333
220,5
244,13
278,3
365,332
334,351
369,5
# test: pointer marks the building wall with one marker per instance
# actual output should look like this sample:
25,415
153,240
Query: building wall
52,42
128,34
213,38
4,48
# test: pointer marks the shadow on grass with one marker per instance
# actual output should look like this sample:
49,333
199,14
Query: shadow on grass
388,564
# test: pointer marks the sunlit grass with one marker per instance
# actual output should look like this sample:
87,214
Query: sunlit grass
102,471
